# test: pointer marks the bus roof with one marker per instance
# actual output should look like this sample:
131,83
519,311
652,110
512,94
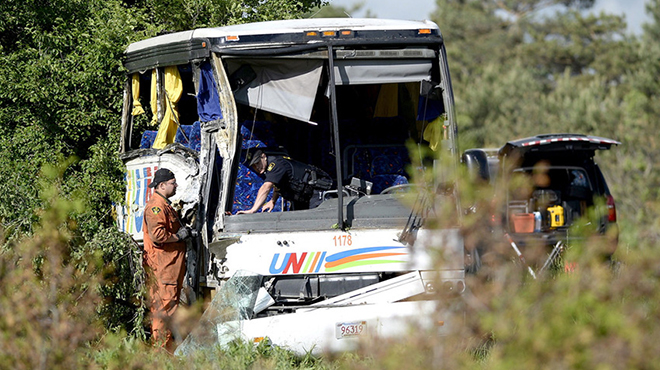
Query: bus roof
188,45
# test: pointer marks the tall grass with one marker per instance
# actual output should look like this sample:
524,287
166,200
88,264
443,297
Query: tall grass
599,315
47,306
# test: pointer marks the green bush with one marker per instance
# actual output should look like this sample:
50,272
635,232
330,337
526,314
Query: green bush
48,302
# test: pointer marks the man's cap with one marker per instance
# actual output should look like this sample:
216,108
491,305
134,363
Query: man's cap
162,175
254,157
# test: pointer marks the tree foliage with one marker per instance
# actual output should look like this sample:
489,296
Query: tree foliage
178,15
335,11
502,32
47,301
521,68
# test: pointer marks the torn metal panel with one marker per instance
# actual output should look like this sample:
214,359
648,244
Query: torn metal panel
139,174
392,290
219,246
226,139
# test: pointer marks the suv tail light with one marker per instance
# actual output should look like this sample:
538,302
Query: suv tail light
611,209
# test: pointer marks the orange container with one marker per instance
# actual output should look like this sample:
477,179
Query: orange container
522,222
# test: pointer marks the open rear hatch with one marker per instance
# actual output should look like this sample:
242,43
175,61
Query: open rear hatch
555,144
552,181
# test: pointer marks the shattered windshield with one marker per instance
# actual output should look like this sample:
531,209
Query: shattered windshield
221,322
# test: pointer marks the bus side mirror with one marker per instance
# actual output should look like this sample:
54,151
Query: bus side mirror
476,162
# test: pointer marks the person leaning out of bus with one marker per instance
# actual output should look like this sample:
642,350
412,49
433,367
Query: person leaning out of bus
300,183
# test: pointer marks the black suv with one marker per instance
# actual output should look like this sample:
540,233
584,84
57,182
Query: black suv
552,181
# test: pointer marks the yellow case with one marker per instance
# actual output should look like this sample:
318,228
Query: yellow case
556,216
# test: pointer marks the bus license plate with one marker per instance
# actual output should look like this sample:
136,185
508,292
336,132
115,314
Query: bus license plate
350,329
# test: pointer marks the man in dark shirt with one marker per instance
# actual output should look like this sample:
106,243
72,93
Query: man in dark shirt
300,183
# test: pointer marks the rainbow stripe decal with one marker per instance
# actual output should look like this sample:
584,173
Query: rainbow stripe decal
311,262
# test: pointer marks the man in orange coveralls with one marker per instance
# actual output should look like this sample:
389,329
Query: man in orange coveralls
164,256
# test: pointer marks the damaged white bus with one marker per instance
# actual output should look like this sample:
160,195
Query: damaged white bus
357,98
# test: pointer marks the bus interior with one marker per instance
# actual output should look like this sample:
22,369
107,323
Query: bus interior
383,105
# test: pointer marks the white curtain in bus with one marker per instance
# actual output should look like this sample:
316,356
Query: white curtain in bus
381,71
287,87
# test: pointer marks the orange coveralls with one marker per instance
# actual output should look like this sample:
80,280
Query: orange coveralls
165,265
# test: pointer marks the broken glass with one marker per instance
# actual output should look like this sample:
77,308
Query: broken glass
221,322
